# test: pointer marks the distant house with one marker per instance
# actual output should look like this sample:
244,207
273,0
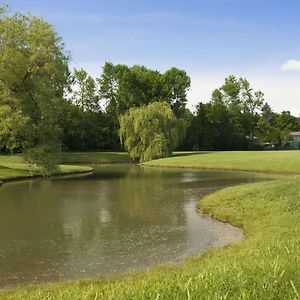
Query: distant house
253,143
295,135
293,143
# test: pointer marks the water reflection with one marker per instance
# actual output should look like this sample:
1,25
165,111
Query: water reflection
119,218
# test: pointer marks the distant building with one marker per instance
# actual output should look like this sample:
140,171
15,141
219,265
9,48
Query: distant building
253,143
293,143
295,135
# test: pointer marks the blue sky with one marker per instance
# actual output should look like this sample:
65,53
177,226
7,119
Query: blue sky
210,39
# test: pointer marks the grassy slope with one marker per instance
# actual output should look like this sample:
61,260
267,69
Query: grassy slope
264,265
272,161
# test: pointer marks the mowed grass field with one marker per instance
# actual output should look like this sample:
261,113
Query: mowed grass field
265,161
264,265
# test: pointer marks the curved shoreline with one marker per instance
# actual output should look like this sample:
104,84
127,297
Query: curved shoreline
211,205
35,176
227,238
269,172
281,162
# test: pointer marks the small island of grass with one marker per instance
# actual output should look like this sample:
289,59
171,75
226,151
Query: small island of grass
14,167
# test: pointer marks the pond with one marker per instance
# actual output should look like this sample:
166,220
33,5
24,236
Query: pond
117,219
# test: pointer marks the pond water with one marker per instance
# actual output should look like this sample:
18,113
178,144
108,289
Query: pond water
117,219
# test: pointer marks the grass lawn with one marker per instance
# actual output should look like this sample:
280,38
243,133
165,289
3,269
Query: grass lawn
264,265
14,167
270,161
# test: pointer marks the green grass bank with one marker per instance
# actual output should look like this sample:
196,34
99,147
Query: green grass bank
264,161
94,157
264,265
14,167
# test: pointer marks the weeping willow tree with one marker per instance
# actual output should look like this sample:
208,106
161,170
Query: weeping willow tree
150,132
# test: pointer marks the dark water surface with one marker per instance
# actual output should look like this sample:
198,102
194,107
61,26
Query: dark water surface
119,218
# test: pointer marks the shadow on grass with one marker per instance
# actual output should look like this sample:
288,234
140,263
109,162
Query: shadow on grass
3,167
188,153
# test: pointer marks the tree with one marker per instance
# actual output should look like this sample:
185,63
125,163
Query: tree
266,129
252,103
12,128
176,83
225,121
123,87
33,73
150,132
189,141
268,114
243,102
263,130
85,130
199,135
229,94
231,91
85,91
286,122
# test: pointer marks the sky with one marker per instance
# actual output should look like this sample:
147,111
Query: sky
209,39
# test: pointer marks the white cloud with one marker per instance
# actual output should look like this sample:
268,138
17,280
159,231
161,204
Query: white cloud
291,65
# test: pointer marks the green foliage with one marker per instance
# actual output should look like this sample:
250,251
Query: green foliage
235,116
286,122
175,84
275,128
150,132
264,131
85,130
90,119
14,167
33,74
42,107
123,87
267,133
13,125
243,103
219,124
85,91
43,157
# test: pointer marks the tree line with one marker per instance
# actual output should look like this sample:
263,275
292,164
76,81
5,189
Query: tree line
94,106
237,118
46,108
